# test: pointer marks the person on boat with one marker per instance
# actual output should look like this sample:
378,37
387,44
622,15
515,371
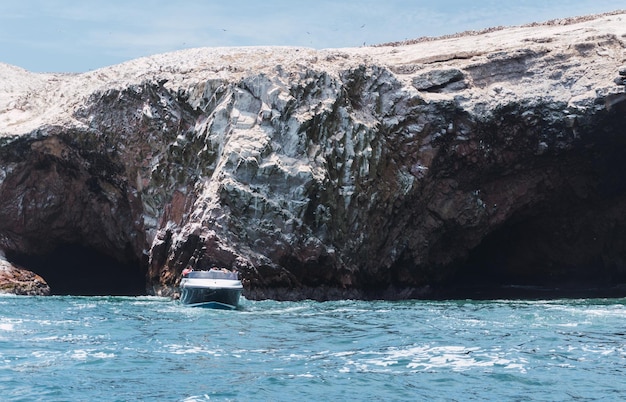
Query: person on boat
187,270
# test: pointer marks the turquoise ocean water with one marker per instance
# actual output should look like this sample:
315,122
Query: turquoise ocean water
143,348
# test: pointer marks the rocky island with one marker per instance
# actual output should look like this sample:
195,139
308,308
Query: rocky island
420,169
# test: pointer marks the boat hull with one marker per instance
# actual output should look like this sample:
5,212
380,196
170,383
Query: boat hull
210,298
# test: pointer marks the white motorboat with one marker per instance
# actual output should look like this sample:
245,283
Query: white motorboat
215,288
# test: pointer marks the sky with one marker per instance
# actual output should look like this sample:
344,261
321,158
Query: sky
79,35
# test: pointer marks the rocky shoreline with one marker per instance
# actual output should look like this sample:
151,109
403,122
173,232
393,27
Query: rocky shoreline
392,172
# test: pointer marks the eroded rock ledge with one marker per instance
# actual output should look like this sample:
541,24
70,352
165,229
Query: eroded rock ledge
19,281
405,171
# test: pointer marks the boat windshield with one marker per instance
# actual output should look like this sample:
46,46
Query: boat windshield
213,274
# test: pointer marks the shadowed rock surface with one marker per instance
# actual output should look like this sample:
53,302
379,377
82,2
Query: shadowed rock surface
476,165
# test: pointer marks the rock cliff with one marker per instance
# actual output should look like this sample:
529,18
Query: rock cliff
412,169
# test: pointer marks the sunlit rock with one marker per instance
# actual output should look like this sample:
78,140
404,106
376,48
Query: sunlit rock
18,281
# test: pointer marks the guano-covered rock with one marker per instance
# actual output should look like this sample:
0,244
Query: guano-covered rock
406,170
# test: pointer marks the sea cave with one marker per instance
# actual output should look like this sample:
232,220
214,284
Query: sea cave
73,269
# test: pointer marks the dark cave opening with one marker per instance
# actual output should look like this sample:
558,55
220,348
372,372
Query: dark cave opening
77,270
571,242
542,257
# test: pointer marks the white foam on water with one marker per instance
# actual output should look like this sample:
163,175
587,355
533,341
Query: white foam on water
7,326
86,354
191,350
427,358
197,398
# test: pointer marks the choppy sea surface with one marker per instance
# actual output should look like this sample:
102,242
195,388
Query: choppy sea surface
145,348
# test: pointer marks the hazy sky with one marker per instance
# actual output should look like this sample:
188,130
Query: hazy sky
76,36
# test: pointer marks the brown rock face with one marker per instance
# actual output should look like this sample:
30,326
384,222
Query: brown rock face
476,165
19,281
56,195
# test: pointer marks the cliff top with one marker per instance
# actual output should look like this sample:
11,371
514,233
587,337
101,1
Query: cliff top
31,100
